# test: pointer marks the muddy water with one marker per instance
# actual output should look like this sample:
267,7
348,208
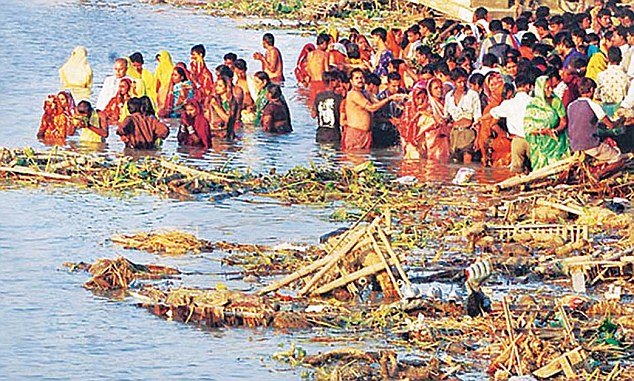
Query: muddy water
51,328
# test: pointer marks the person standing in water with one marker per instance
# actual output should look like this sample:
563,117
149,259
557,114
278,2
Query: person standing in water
271,60
76,74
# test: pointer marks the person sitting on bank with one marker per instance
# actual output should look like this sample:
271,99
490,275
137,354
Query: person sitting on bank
276,117
139,131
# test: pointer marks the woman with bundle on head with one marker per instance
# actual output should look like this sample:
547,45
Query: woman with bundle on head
194,129
180,90
76,74
545,126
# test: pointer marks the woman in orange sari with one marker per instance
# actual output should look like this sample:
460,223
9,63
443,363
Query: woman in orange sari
55,125
437,136
492,141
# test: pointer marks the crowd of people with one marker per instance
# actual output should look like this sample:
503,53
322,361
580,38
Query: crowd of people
519,92
516,92
137,102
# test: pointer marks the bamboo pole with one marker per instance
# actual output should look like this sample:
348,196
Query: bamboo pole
369,270
306,270
393,256
378,251
194,172
541,173
31,172
509,327
336,256
565,208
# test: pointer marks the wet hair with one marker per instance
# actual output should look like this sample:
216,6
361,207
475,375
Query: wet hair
508,90
380,32
495,26
443,68
476,79
508,20
240,64
413,29
556,19
450,50
274,90
541,23
565,39
353,51
323,38
224,71
481,13
134,105
521,24
227,81
84,107
427,69
428,23
542,12
200,49
528,40
469,42
262,76
592,38
423,50
137,58
231,57
542,49
268,38
458,73
614,55
490,60
372,79
523,80
147,108
394,77
181,72
328,77
586,85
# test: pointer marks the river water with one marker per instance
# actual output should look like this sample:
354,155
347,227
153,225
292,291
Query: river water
51,327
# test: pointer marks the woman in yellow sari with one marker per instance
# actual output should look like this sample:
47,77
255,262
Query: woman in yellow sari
76,74
163,76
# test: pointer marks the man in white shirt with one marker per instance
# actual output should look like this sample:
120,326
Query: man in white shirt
463,106
513,110
111,84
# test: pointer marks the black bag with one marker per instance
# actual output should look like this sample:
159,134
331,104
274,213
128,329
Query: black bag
499,49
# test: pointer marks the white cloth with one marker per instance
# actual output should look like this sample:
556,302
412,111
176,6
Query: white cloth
513,110
111,86
612,85
468,107
628,102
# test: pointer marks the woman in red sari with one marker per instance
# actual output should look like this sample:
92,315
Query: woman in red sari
116,110
194,129
365,49
492,141
300,68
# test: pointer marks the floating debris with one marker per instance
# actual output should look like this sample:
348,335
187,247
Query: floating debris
169,243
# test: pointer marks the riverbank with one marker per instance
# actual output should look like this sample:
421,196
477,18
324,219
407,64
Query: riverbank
311,15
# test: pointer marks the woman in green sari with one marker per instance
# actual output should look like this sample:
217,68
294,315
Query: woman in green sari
545,126
261,81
